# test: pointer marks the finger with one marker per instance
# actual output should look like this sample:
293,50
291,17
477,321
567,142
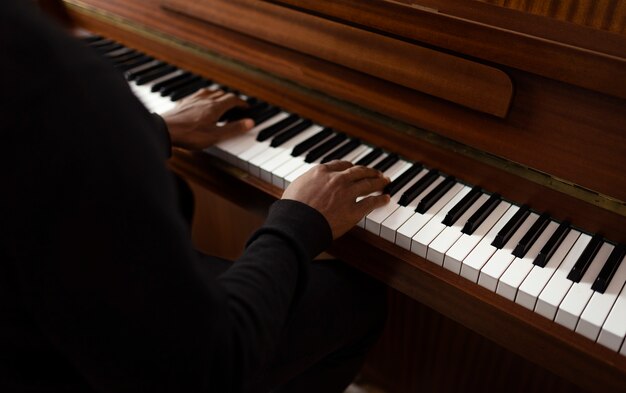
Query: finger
337,165
367,204
235,127
215,94
359,172
369,185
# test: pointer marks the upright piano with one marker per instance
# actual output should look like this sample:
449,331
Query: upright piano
501,123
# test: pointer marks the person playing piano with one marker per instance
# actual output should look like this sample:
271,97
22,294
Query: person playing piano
100,286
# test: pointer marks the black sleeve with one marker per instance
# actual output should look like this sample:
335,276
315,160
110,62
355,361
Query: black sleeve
103,259
163,134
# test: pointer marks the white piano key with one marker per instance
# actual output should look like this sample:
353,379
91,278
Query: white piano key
466,243
283,153
376,217
250,153
428,216
280,174
413,221
301,170
450,235
428,233
377,160
479,256
521,267
599,307
392,172
363,150
400,216
614,328
256,162
233,146
501,259
579,294
539,276
552,295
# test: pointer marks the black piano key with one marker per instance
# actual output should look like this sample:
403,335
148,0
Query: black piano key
370,157
126,57
342,150
429,200
227,89
481,214
241,112
91,38
120,54
181,84
294,130
180,78
132,75
387,162
310,142
509,229
583,262
104,49
460,208
254,111
275,128
150,76
531,236
253,101
135,62
266,114
188,90
553,243
99,43
290,133
402,180
418,187
610,267
325,147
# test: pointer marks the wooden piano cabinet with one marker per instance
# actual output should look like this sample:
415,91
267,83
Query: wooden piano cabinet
420,349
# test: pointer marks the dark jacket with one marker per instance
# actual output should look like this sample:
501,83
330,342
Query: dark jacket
99,283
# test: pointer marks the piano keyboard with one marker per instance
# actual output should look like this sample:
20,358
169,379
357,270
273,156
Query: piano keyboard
574,278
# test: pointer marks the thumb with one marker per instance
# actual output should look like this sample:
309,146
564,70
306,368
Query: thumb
236,127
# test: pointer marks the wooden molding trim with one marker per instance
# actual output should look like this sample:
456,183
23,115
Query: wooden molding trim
552,48
464,82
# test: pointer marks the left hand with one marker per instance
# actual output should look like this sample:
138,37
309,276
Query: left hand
193,125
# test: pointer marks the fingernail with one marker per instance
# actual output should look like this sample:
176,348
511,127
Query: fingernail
249,123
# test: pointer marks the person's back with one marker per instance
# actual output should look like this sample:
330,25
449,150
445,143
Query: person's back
99,285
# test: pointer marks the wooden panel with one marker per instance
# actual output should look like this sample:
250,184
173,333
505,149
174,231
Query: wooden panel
558,50
451,78
423,351
554,128
607,15
377,132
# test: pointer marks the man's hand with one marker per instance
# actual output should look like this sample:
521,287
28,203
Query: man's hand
192,123
333,189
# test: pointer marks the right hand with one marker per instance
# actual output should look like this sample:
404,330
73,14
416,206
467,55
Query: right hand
333,189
